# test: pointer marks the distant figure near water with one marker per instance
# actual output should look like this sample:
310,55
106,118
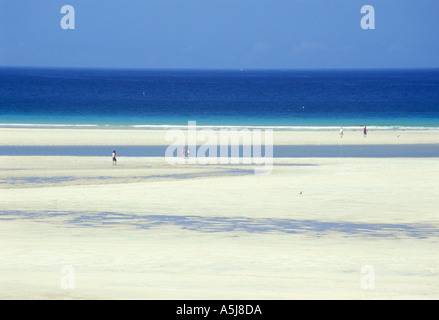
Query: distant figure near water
341,132
186,152
365,131
114,158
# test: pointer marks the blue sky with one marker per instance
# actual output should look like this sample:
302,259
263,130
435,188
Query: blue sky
220,34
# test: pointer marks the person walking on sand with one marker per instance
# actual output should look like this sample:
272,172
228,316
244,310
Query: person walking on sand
114,158
365,131
341,132
183,152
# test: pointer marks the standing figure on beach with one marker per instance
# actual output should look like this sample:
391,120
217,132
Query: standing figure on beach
114,158
183,152
365,131
341,132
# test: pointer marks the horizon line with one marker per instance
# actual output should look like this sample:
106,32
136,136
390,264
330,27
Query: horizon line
217,69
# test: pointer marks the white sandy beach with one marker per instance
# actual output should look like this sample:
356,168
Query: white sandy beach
150,230
142,137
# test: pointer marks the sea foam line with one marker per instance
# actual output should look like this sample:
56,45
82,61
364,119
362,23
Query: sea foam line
218,127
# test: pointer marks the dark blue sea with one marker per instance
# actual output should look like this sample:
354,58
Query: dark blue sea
385,99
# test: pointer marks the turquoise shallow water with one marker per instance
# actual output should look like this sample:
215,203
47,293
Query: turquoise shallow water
293,151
